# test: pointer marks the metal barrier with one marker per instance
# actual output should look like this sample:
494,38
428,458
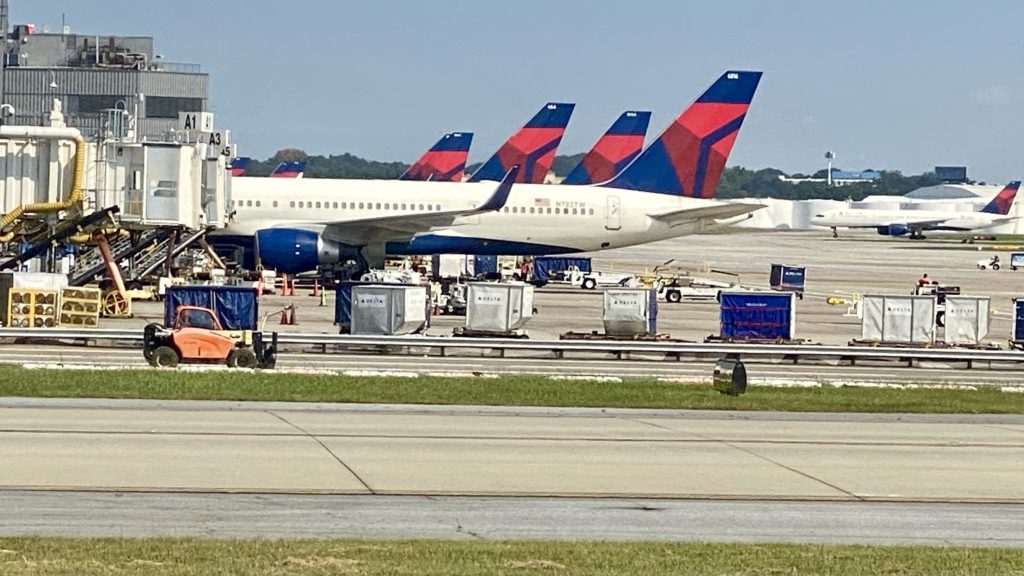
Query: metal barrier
623,350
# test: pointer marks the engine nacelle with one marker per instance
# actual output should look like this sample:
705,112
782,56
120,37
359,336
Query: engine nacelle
293,251
893,230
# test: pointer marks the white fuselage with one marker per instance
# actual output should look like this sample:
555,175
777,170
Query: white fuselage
580,218
932,219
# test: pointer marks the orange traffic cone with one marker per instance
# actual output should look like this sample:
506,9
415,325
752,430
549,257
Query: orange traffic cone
292,321
316,288
284,317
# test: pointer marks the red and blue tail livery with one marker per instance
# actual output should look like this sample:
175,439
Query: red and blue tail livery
1003,201
614,151
689,156
444,162
533,148
289,170
238,165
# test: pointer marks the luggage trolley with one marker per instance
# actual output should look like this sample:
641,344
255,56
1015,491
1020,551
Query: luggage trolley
785,278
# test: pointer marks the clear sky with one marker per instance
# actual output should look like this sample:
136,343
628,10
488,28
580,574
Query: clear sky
886,84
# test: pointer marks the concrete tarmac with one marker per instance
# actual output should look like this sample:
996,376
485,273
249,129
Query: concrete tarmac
171,447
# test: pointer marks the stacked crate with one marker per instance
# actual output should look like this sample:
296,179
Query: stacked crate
80,307
32,308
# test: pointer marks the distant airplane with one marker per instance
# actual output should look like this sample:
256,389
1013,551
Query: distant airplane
666,192
613,152
916,222
444,162
533,147
289,170
238,165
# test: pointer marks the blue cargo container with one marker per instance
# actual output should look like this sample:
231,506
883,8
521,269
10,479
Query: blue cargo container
343,303
757,316
1018,321
1016,260
236,307
486,265
788,279
550,268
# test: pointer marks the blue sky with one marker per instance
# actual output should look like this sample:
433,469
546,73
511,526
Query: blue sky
888,85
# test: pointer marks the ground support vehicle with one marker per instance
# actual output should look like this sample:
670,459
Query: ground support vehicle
196,336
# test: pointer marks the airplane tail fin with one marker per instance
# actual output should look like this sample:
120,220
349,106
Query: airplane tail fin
239,165
1003,201
444,162
533,147
689,156
289,170
614,151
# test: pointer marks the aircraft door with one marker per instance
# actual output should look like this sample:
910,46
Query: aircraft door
613,217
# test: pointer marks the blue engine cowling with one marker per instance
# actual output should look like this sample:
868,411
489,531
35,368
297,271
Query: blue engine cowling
293,251
893,230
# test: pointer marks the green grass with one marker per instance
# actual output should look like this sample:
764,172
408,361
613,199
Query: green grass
505,391
167,557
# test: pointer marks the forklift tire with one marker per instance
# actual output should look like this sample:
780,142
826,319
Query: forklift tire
269,358
242,358
148,336
164,357
589,284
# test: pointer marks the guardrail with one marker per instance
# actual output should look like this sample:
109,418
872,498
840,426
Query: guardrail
625,350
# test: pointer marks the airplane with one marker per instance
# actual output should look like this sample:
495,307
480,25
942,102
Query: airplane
533,147
289,170
613,152
667,191
916,222
239,165
444,162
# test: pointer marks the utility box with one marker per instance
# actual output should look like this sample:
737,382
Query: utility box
898,319
504,307
966,320
630,311
388,310
757,316
236,307
11,282
785,278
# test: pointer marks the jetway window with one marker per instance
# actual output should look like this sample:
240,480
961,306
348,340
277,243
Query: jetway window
93,103
168,106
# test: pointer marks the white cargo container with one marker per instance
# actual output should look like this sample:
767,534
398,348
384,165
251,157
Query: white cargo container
966,319
388,310
898,319
453,265
495,307
630,311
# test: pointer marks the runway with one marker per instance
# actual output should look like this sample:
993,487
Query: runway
695,371
225,469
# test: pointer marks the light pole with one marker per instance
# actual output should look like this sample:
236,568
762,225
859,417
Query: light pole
829,155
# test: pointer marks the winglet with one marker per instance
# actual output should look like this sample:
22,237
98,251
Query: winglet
500,197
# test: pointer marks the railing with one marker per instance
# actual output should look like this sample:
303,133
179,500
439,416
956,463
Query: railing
625,350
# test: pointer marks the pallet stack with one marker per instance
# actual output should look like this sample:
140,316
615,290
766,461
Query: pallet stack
32,308
80,307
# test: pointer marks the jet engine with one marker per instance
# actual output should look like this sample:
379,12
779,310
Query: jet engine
893,230
293,251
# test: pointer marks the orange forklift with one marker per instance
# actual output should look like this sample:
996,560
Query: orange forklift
196,336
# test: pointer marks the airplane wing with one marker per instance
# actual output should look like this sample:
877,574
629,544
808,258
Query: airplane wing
715,212
360,231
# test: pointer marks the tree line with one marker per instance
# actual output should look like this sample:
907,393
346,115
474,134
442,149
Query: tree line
736,182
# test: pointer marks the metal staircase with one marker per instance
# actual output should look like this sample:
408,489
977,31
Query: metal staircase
148,263
91,264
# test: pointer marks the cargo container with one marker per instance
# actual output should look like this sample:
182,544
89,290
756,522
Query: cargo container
1017,338
630,311
898,319
485,264
388,309
553,268
966,320
343,303
757,316
493,307
785,278
236,307
452,266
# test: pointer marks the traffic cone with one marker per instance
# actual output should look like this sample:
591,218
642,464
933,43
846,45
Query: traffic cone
323,298
284,317
292,321
316,288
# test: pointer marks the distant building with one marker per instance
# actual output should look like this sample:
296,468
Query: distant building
839,177
94,75
952,174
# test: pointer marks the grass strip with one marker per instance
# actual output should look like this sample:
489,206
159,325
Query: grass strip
503,391
173,557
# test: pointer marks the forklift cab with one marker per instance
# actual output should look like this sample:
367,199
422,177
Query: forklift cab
195,317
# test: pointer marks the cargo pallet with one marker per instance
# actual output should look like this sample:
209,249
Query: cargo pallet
463,332
913,345
595,335
719,340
